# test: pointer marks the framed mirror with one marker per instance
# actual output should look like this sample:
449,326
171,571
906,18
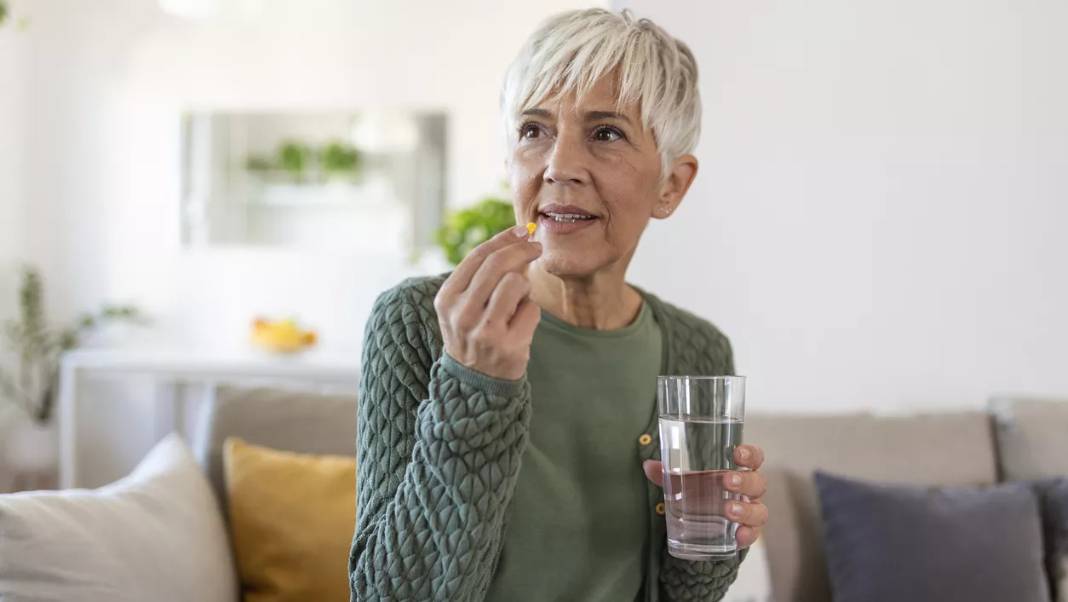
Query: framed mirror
359,182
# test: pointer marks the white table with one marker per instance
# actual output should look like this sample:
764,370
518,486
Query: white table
176,367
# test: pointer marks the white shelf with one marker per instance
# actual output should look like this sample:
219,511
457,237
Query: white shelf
313,364
331,194
187,365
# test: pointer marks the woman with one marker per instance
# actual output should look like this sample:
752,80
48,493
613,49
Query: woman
507,409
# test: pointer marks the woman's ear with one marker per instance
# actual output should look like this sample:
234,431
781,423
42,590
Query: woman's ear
675,185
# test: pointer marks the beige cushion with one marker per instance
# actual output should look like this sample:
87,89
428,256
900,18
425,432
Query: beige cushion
1032,437
280,418
950,449
155,534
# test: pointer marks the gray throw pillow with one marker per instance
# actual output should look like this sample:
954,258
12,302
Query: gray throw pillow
888,543
1053,495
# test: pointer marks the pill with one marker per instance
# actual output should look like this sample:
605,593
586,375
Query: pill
531,227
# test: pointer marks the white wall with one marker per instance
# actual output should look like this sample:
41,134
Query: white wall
881,212
13,48
108,87
105,88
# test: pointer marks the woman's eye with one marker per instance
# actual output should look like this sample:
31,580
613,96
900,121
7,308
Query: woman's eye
529,131
607,134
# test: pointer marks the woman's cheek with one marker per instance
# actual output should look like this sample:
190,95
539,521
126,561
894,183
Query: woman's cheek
528,154
527,175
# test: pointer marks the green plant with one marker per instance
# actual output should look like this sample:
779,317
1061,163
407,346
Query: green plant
338,157
467,228
22,23
37,348
293,157
258,163
296,158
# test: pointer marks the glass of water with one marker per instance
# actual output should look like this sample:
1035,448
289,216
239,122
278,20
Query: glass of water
701,420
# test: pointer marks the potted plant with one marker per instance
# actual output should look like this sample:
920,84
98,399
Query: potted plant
338,160
293,158
467,228
29,381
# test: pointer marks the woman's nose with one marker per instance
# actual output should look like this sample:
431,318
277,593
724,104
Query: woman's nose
567,163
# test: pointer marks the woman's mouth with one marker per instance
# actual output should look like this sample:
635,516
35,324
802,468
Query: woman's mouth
561,222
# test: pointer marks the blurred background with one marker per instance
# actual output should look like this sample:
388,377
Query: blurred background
878,221
194,190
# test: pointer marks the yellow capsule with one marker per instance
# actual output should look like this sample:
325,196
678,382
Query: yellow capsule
531,227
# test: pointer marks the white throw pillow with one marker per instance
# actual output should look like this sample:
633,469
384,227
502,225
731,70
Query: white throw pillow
156,534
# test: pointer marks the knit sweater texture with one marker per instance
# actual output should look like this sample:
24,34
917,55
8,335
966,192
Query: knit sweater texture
439,448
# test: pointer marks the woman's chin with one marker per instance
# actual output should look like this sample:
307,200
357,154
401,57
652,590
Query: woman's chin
565,265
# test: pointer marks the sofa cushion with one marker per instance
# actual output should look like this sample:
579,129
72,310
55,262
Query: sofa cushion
887,543
154,535
951,449
1032,437
276,417
291,520
1053,496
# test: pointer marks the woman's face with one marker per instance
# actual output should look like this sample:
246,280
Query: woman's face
589,177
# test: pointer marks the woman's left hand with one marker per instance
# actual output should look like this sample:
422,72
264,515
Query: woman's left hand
752,515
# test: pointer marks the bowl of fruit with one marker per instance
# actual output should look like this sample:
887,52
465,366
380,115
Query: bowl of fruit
281,336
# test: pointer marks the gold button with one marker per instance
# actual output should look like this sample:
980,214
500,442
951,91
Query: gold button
660,508
645,439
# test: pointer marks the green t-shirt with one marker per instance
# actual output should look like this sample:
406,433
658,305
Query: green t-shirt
576,527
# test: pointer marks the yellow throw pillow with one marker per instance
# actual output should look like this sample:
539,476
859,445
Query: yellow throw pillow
292,518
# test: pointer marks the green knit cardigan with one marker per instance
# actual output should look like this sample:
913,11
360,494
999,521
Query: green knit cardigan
439,448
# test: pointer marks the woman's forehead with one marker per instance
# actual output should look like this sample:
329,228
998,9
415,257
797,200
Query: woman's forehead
602,100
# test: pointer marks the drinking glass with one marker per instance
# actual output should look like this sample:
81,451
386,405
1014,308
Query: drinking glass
701,420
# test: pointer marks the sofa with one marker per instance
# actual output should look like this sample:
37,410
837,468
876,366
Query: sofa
1015,439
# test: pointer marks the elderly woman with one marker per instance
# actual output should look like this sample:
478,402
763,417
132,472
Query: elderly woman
507,423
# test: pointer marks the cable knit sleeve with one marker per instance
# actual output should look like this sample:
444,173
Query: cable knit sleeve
690,581
438,447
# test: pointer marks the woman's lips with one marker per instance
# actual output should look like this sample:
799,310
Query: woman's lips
563,227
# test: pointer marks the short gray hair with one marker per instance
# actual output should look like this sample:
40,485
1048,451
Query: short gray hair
570,51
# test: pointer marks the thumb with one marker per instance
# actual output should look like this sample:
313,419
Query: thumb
654,471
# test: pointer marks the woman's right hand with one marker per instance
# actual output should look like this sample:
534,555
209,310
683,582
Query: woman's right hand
486,316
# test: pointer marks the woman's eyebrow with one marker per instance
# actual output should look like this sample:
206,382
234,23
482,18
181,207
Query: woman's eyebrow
599,115
537,113
590,115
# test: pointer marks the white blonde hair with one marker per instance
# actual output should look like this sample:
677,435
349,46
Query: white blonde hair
570,51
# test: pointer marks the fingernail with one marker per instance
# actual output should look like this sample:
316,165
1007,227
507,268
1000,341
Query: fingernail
735,509
743,453
520,231
736,480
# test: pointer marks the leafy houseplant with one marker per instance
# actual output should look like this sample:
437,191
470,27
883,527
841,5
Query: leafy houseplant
293,157
37,348
338,158
467,228
297,160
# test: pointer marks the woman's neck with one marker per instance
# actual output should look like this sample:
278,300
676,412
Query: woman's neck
601,301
